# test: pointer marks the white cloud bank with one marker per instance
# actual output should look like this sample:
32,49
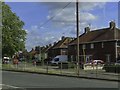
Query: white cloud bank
64,21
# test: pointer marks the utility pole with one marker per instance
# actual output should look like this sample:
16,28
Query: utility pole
116,41
40,53
77,27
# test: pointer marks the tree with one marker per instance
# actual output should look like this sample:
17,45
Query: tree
13,36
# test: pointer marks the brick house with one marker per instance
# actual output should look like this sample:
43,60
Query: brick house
60,47
103,44
40,52
33,52
44,51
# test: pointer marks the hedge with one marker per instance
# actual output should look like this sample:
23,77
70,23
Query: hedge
112,68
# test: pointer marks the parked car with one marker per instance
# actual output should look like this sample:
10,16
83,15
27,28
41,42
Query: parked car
97,62
5,60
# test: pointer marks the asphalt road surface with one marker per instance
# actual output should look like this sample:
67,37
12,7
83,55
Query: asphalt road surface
28,80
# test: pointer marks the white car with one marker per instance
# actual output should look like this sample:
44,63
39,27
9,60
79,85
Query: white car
97,62
5,60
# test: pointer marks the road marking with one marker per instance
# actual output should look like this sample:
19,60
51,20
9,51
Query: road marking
8,86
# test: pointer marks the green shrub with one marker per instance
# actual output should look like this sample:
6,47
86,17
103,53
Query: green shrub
112,68
71,65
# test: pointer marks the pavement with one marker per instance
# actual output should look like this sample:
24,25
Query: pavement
54,70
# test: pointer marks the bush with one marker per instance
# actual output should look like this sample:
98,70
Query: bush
63,65
71,65
112,68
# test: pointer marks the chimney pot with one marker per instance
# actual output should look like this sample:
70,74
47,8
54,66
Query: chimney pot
54,43
63,37
87,29
112,25
50,44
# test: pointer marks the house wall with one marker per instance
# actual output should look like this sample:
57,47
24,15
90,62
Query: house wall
98,52
44,55
50,53
59,51
118,50
61,48
72,52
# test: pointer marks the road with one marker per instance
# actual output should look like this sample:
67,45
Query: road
28,80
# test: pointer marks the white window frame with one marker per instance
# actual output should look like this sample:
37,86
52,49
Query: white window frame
108,57
91,45
118,45
102,45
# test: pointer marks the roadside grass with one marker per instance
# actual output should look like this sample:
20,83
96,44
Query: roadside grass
48,69
33,68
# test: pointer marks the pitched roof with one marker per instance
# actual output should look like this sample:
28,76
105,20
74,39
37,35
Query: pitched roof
45,49
62,43
98,35
33,52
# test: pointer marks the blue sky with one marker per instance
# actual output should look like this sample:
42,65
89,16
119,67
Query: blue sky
35,14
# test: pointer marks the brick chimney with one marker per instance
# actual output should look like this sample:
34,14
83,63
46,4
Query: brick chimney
43,47
87,29
47,46
54,43
112,25
62,37
50,45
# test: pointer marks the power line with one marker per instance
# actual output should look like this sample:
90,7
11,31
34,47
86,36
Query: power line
55,15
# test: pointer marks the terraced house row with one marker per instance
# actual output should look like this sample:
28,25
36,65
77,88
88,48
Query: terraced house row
103,44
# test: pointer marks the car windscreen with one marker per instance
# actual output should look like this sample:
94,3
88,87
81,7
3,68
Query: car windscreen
56,59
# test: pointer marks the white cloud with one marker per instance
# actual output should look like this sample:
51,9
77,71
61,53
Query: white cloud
34,27
37,37
67,16
64,21
85,17
87,6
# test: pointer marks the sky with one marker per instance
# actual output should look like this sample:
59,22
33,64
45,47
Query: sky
47,22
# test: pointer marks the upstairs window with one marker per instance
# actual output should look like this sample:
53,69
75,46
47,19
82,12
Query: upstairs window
75,47
118,44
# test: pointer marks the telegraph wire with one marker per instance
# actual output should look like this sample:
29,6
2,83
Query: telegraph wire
54,15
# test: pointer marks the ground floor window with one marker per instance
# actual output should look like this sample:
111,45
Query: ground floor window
82,58
72,58
86,58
